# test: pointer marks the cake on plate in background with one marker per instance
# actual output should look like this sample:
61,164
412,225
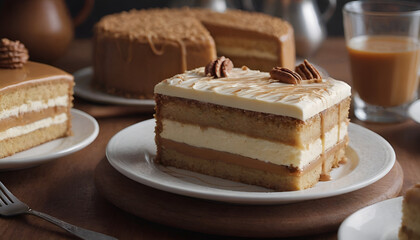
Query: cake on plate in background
135,50
35,100
283,130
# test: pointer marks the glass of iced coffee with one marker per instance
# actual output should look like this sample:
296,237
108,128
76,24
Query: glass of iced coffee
382,39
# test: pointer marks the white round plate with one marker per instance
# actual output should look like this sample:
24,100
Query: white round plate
83,89
380,221
414,111
131,152
85,130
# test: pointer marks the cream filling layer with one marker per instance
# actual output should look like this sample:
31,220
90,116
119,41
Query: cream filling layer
43,123
256,148
33,106
242,52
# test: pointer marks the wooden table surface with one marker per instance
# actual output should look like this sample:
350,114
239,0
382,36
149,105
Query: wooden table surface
65,187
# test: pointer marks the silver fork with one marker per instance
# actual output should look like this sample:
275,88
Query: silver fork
11,206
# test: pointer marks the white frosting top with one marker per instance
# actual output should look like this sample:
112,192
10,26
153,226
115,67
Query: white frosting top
255,91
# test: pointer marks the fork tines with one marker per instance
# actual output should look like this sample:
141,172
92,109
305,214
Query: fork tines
6,197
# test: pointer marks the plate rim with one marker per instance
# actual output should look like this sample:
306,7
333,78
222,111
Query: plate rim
341,230
14,163
83,78
257,197
411,109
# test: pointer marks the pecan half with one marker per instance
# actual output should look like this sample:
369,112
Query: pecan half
285,75
308,72
219,67
13,54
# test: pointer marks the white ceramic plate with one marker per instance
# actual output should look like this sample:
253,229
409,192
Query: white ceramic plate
414,111
83,88
380,221
131,152
85,130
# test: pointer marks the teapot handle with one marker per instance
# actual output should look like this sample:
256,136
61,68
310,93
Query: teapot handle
83,13
329,11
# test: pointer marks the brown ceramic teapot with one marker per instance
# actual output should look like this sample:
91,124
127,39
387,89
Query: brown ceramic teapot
44,26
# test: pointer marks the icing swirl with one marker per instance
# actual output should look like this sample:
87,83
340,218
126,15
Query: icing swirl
256,91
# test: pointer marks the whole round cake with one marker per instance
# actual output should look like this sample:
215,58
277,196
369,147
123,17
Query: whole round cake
135,50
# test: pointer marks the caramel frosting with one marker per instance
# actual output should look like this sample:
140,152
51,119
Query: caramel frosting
256,91
185,24
30,72
154,25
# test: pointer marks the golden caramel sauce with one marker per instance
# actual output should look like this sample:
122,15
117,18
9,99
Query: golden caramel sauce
31,72
384,69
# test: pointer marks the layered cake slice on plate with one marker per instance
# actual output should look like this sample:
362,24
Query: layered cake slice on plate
35,100
283,130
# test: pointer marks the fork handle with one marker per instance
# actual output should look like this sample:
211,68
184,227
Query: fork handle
77,231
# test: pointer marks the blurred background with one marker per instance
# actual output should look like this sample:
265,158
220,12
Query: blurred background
32,20
104,7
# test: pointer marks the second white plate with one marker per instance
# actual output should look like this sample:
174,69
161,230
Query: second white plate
131,152
381,220
414,111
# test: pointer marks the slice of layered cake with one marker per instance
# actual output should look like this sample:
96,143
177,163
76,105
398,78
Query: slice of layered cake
35,100
410,227
282,130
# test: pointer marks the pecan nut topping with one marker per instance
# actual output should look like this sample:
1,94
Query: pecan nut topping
219,67
308,72
13,54
285,75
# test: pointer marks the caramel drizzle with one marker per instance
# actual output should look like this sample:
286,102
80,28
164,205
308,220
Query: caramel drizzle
128,56
238,85
324,176
161,51
279,49
338,121
156,51
183,55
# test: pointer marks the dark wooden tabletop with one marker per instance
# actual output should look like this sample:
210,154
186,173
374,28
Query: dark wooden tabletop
65,187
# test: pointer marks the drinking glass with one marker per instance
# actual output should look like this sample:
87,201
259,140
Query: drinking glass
382,39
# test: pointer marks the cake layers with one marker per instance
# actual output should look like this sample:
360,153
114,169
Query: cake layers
35,106
212,126
410,228
216,150
256,40
135,50
204,125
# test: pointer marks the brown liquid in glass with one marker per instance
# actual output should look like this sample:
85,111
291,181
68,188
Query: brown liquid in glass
384,69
